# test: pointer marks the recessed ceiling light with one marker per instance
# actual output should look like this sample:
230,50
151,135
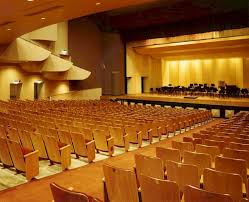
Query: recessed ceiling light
98,3
8,29
43,18
30,0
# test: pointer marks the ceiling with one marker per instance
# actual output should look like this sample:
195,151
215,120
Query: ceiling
220,47
18,17
174,17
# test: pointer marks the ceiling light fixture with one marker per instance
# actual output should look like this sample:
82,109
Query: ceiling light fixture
98,4
8,29
30,0
43,18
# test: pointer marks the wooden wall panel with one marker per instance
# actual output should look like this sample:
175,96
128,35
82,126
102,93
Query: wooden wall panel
184,72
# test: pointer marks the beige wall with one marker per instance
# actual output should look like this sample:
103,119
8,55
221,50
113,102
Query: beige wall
139,66
89,94
184,72
246,73
9,74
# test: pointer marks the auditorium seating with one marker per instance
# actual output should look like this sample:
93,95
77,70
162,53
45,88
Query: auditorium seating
154,189
58,152
222,163
61,194
24,160
183,174
149,166
83,147
193,194
224,183
121,139
103,142
116,181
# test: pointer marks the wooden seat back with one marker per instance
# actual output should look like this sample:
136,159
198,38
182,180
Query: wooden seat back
149,166
237,154
61,194
168,154
26,139
220,144
154,189
182,146
213,151
132,132
200,160
230,165
5,153
39,145
88,133
16,155
223,183
65,137
13,134
183,174
52,149
239,146
193,194
116,180
100,140
118,134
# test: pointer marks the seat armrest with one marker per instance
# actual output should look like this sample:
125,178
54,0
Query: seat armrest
31,164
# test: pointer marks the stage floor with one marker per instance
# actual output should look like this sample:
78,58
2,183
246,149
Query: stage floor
204,100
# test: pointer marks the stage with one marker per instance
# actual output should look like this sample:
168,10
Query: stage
212,103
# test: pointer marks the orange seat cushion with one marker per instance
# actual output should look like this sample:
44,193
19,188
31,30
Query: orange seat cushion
26,151
60,144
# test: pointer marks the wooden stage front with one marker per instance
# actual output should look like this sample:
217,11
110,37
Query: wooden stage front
222,104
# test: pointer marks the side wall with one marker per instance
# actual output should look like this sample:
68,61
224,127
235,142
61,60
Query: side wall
98,52
9,74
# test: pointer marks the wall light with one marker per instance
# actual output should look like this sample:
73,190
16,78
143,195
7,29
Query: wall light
16,82
38,81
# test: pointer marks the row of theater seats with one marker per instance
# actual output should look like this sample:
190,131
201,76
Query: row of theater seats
196,169
55,130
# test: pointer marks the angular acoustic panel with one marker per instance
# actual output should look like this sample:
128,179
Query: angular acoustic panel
74,73
21,50
48,33
34,67
56,64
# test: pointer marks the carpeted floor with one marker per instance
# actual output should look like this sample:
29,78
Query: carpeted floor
86,179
